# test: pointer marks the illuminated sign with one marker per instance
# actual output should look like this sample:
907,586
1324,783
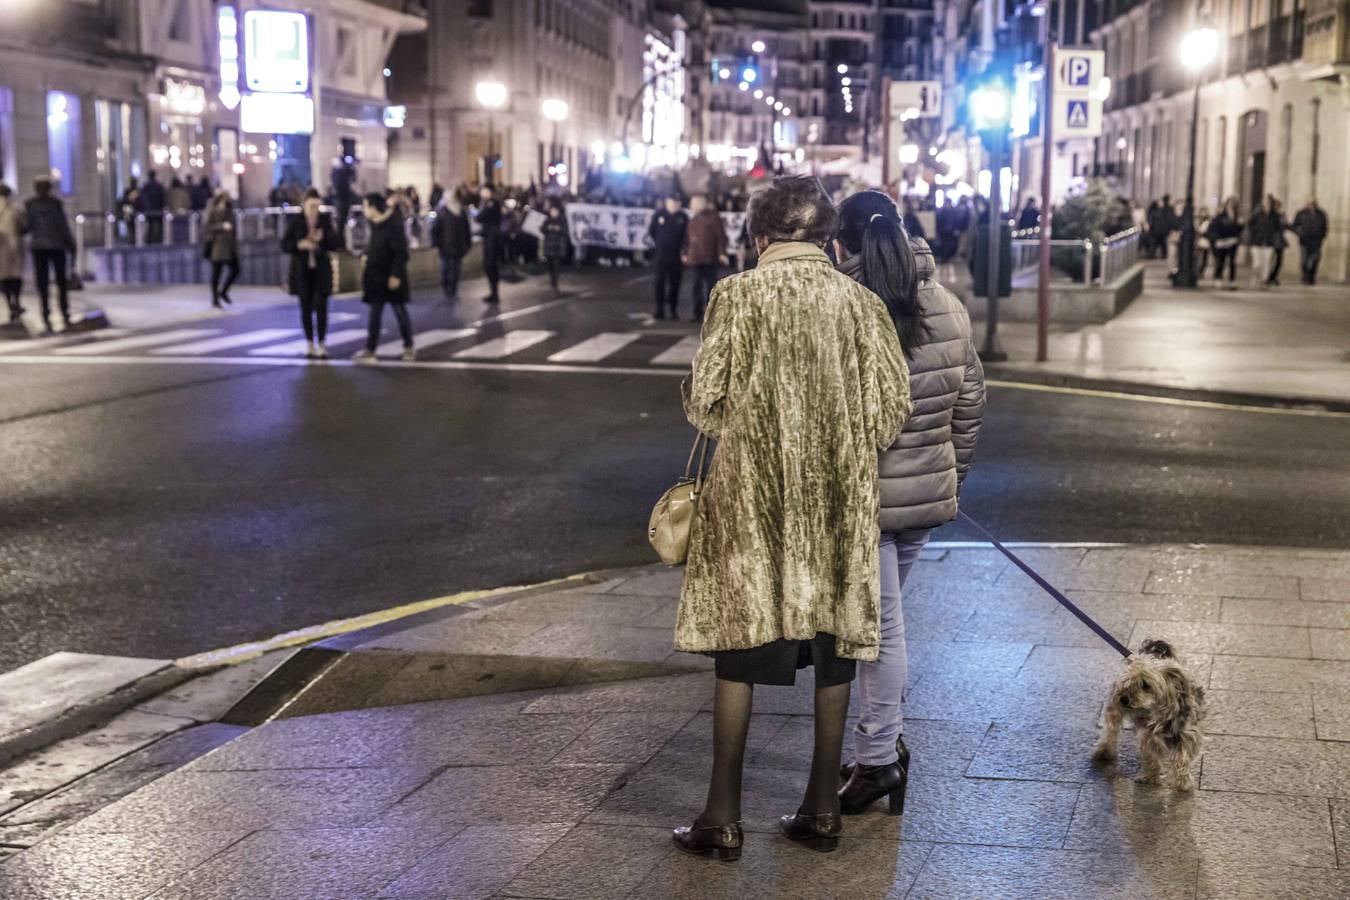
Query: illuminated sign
277,114
395,116
276,51
184,98
228,46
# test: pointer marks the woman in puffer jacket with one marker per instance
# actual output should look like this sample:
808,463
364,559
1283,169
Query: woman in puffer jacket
920,475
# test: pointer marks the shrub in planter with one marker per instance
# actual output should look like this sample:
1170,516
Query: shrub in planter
1093,214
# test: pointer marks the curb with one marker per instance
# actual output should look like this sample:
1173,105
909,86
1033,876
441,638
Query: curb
78,719
1013,376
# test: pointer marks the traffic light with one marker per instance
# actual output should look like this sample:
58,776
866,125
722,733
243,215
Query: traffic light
990,105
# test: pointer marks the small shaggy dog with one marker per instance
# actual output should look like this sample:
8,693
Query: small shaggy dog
1166,707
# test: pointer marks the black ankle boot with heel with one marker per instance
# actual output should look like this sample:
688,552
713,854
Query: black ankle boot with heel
868,784
819,832
718,841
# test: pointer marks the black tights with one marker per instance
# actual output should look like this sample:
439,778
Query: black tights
219,268
732,702
314,314
10,288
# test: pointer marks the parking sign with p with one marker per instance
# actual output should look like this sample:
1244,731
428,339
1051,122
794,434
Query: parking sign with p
1080,70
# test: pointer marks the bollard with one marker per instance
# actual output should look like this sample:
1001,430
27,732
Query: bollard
1087,261
167,239
195,228
140,230
109,231
80,268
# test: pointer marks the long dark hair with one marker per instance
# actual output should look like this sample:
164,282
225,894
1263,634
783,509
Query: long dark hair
869,224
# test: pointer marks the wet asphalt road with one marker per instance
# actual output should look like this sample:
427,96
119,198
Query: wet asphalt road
162,510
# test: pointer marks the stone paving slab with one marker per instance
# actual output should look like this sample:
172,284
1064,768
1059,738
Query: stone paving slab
566,786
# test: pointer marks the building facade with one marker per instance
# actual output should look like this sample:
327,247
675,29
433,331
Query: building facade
1274,106
534,85
99,92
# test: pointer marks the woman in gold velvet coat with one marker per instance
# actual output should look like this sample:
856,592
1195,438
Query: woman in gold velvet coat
801,381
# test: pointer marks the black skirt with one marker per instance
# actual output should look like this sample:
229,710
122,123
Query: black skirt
778,662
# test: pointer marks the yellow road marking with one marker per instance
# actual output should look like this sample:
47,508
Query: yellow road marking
229,656
1172,401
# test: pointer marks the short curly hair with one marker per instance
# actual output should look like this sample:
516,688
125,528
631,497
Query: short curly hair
793,208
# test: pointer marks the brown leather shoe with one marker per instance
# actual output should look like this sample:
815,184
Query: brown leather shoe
718,841
817,832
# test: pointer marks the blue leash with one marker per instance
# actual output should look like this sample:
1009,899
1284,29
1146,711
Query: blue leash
1050,589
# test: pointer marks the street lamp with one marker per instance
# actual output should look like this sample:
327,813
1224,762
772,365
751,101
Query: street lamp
757,47
990,112
555,111
1198,49
491,95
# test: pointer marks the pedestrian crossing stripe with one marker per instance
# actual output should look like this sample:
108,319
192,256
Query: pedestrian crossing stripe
135,342
210,344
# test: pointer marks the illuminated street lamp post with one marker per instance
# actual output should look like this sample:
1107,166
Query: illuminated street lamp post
491,95
1198,49
555,111
991,111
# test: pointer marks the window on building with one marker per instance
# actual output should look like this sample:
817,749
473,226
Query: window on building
1286,147
179,22
1316,139
480,9
8,175
346,51
1222,135
63,139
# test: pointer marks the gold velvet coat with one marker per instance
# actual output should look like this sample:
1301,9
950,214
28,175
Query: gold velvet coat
801,381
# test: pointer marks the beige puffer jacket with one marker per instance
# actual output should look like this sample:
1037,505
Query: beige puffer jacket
922,472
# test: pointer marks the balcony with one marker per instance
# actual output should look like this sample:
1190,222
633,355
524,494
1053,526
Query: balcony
1326,33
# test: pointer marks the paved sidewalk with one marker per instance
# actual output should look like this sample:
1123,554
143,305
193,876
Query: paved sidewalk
1291,342
573,739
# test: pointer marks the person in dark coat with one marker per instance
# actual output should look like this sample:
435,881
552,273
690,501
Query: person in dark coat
384,281
1264,228
310,239
667,233
1029,217
222,247
554,231
201,193
490,226
49,239
1311,227
151,203
705,248
451,237
1224,233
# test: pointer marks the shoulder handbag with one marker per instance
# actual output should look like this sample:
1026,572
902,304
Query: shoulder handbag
673,517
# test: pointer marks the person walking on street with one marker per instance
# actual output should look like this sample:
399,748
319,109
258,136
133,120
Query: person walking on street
1263,229
667,233
490,230
801,381
1224,233
921,474
49,239
1310,224
384,282
151,203
222,247
554,231
1029,217
705,248
11,252
311,238
1281,242
451,236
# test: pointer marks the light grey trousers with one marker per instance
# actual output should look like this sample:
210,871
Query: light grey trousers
881,684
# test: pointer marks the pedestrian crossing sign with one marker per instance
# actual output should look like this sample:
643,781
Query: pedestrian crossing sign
1077,117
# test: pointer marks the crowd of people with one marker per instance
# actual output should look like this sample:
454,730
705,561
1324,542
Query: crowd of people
1220,236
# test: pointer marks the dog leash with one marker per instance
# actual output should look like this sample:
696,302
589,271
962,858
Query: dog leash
1050,588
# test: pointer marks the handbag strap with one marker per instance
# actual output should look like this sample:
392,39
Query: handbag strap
700,449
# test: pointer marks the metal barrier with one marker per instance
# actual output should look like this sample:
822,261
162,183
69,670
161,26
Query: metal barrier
1026,252
1119,252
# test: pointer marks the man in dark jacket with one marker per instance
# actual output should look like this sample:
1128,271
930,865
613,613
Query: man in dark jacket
667,233
705,248
490,224
1311,227
50,240
384,279
451,238
152,201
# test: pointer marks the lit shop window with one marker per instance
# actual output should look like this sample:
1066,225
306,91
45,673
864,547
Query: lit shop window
63,138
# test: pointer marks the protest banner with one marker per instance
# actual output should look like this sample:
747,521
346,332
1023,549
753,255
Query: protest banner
625,227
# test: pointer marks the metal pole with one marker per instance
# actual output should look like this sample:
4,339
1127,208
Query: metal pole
993,348
1047,147
80,267
490,176
886,149
1185,274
